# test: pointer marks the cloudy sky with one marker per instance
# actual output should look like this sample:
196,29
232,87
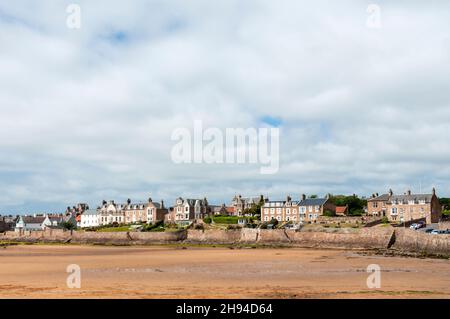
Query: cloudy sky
87,114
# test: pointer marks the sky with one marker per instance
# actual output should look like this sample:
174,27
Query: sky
87,114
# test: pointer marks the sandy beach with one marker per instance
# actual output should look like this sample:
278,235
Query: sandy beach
39,271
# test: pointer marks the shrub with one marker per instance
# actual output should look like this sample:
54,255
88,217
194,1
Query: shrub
207,220
385,220
158,226
328,213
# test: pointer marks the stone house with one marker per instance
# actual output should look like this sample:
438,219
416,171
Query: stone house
189,209
135,212
240,204
406,207
155,211
110,212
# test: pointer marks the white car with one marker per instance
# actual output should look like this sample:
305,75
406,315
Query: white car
414,226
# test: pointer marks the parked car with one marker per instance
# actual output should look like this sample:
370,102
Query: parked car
429,230
447,231
437,232
421,224
414,226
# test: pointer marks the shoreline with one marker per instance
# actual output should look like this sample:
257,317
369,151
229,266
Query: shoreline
390,252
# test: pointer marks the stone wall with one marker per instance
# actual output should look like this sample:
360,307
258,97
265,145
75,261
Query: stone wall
409,240
364,238
214,236
375,238
142,238
444,225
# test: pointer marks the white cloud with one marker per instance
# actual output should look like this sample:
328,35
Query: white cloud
87,114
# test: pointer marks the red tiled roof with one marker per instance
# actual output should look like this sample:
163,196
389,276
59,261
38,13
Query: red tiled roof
230,209
341,209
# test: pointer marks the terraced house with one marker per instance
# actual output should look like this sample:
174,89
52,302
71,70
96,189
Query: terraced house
406,207
135,212
304,210
110,212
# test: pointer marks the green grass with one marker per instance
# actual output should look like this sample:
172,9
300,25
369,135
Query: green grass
114,229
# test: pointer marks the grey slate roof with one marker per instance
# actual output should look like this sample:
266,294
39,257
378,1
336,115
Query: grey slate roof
90,212
413,197
313,202
383,197
33,220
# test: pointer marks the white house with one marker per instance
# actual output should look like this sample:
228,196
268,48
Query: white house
90,218
32,223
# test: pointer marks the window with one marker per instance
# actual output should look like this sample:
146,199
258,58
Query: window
279,218
375,204
266,218
394,211
310,208
317,208
288,211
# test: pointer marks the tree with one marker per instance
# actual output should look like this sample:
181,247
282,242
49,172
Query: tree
68,226
355,204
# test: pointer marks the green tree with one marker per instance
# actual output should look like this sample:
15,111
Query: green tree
68,226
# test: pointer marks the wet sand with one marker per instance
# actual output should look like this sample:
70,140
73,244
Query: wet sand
38,271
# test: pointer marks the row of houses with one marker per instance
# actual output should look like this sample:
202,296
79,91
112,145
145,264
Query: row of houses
395,207
183,212
297,211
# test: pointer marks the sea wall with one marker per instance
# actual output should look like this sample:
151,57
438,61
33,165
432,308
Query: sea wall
400,239
214,236
444,225
408,240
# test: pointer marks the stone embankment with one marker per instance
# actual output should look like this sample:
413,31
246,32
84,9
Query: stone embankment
399,239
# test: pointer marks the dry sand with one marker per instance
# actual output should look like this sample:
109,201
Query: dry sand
171,272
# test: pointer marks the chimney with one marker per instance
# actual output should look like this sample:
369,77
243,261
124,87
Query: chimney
128,201
434,191
303,196
391,192
162,204
408,192
288,198
150,200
